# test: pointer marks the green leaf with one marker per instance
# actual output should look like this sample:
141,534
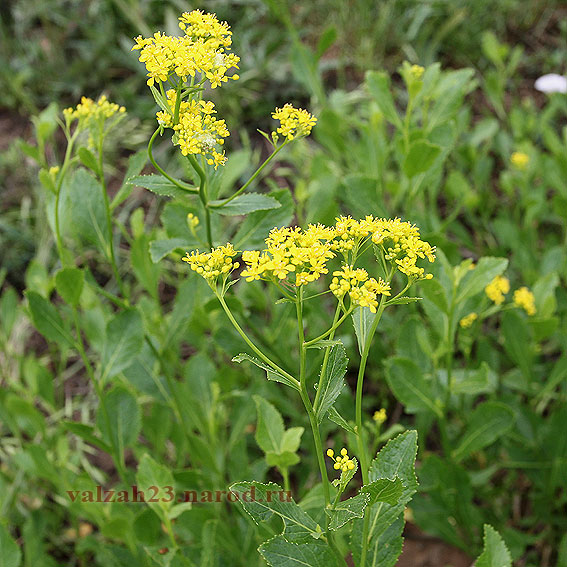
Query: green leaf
119,419
47,320
136,163
10,554
408,383
327,39
421,156
255,228
332,382
278,552
378,83
495,553
334,416
518,341
155,480
86,432
69,285
404,300
161,186
272,374
362,319
474,382
323,343
124,339
261,501
244,204
292,439
395,460
83,209
88,159
488,422
270,428
161,248
347,510
385,490
478,278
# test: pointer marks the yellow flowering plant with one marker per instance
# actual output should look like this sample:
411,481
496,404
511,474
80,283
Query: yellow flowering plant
298,263
179,69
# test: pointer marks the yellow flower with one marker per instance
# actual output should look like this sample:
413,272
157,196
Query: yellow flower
198,131
204,49
214,264
525,299
294,122
417,71
192,220
520,160
88,110
497,288
342,462
468,320
380,416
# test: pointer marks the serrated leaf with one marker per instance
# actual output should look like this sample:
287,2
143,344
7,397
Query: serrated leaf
332,382
495,553
161,186
136,163
347,510
245,204
383,548
272,374
123,341
264,500
403,300
337,418
47,320
280,553
488,422
384,490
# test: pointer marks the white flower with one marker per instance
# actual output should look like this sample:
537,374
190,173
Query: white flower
552,83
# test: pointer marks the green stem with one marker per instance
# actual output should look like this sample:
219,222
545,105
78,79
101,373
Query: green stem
110,234
313,419
175,182
118,457
203,195
359,430
331,330
322,375
252,345
254,175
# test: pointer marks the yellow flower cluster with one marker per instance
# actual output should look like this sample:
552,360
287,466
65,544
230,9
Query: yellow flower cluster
198,131
417,72
294,122
525,299
362,290
305,253
342,462
203,49
520,160
497,289
211,265
88,109
380,416
468,320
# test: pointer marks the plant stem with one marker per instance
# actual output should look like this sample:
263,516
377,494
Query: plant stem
175,182
313,419
203,195
322,375
331,330
254,175
252,345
